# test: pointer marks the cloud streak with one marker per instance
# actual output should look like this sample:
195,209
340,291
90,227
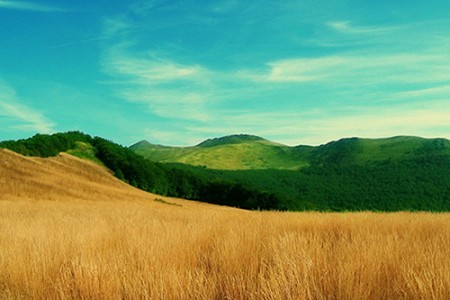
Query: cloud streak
351,69
168,89
345,27
26,118
28,6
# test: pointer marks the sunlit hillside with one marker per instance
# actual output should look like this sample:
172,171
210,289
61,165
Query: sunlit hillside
70,230
235,152
61,178
247,152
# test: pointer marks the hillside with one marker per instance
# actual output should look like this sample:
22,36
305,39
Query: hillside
390,174
235,152
65,178
246,152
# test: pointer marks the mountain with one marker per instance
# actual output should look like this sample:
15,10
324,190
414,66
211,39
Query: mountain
234,152
391,174
247,152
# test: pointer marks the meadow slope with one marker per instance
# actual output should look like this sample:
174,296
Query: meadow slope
69,229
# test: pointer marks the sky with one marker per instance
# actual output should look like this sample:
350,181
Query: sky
179,72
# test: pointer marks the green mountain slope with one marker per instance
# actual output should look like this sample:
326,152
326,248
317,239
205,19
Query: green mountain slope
246,152
391,174
366,151
235,152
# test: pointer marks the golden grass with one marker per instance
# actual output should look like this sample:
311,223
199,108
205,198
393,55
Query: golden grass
65,237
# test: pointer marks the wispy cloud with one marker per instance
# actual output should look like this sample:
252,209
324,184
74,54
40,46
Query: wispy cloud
114,25
26,118
346,27
169,89
31,6
443,90
151,71
369,69
301,70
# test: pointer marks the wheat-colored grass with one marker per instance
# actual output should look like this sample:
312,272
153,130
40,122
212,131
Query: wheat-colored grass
65,237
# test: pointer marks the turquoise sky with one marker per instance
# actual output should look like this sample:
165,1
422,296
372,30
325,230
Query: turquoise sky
178,72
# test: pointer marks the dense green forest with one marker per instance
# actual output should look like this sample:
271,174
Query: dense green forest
389,186
146,175
352,174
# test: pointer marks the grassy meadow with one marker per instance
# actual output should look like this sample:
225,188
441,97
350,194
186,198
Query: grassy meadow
70,230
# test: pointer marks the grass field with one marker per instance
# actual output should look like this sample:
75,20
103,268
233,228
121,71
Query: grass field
68,229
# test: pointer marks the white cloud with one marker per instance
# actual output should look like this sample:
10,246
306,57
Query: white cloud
346,27
301,70
347,69
443,90
27,119
150,71
169,89
21,5
149,68
169,104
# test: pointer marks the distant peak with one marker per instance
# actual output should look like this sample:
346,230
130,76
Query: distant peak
230,139
141,143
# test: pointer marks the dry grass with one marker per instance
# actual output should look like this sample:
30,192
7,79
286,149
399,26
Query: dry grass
62,236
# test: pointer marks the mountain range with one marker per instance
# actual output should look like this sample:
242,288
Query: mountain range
248,152
246,171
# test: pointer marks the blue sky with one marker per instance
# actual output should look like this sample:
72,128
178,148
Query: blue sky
178,72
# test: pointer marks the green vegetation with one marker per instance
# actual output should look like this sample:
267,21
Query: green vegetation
237,152
400,173
85,151
47,145
246,152
149,176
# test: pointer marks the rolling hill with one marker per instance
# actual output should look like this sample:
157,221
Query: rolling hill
247,152
66,178
235,152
